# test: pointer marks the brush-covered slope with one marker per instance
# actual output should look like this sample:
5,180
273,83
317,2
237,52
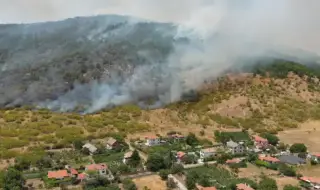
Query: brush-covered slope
43,60
273,101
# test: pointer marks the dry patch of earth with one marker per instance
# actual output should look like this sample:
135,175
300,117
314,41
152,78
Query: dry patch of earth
307,133
152,182
308,170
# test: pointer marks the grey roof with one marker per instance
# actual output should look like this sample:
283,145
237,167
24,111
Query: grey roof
291,159
91,147
232,144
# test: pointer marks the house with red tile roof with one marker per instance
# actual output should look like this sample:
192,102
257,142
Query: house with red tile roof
152,140
316,157
242,186
233,161
199,187
82,177
260,142
313,181
101,168
60,174
73,172
269,159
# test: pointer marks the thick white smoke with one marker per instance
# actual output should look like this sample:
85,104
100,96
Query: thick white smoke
222,32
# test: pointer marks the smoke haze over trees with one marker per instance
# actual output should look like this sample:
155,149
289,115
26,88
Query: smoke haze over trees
160,52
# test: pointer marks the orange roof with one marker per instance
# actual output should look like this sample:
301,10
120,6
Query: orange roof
259,139
94,167
233,161
73,171
268,159
82,176
199,187
58,174
180,154
311,179
152,137
242,186
317,155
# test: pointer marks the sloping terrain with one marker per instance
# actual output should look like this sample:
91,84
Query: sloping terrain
43,61
235,101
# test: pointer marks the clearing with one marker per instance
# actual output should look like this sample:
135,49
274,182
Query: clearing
152,182
307,133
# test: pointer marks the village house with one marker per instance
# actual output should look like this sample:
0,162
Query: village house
242,186
180,156
92,149
112,144
60,174
199,187
291,160
236,148
207,152
73,172
127,156
260,142
233,161
101,168
81,177
313,181
153,140
269,159
176,137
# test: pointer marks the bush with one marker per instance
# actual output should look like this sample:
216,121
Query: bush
272,139
287,170
128,184
164,174
155,162
298,148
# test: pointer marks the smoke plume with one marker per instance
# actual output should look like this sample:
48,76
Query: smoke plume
220,33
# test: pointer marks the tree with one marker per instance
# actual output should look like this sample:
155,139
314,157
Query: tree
155,162
85,151
135,159
191,179
189,159
22,163
192,139
272,139
223,158
44,162
282,146
177,169
291,187
13,179
128,184
164,174
287,170
252,157
78,144
298,148
267,184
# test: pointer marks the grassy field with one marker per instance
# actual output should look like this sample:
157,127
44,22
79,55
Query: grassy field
152,182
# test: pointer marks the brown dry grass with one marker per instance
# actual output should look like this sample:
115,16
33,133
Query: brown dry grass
152,182
308,170
282,181
308,133
254,172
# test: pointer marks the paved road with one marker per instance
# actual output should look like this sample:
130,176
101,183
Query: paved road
179,184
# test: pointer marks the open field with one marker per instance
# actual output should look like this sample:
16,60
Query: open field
282,181
152,182
309,170
307,133
253,172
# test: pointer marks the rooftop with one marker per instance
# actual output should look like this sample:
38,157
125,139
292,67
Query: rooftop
91,147
82,176
58,174
268,159
199,187
111,141
259,139
152,137
311,179
291,159
180,154
232,144
243,186
128,154
94,167
73,171
233,161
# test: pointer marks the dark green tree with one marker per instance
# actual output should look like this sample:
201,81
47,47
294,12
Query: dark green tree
78,144
155,162
298,148
272,139
22,163
191,179
164,174
177,169
128,184
192,139
13,179
287,170
135,159
252,157
267,184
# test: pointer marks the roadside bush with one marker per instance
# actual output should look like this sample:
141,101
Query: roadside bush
164,174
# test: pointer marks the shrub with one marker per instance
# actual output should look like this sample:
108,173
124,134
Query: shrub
164,174
298,148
